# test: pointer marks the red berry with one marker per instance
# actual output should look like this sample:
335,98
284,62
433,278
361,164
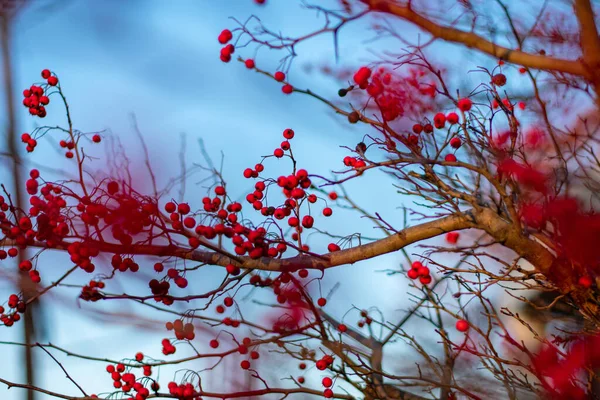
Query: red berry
214,343
417,128
279,76
327,382
450,158
183,208
462,325
465,104
288,133
333,195
245,364
225,36
46,73
452,118
455,142
322,301
327,211
96,139
452,237
333,247
52,81
308,221
139,356
249,63
278,153
170,207
413,274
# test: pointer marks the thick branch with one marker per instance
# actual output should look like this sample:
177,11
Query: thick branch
475,41
590,43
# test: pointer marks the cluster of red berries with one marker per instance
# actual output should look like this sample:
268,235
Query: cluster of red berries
26,266
12,252
167,347
418,270
327,382
160,290
354,162
34,97
123,264
17,305
243,349
366,320
69,145
286,88
126,381
324,362
81,254
234,323
52,225
30,142
224,37
182,331
184,391
179,280
90,291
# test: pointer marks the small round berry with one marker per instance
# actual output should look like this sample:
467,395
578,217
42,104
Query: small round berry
52,81
452,118
450,158
333,247
46,73
327,211
183,208
499,79
413,274
214,343
455,142
322,301
96,139
249,63
245,364
462,325
465,104
279,76
287,89
170,207
225,36
288,133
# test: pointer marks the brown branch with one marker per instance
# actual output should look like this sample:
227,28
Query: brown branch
590,43
472,40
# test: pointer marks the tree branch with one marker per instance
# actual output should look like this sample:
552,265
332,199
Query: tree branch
475,41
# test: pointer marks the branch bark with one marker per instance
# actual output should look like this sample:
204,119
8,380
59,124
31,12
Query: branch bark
472,40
